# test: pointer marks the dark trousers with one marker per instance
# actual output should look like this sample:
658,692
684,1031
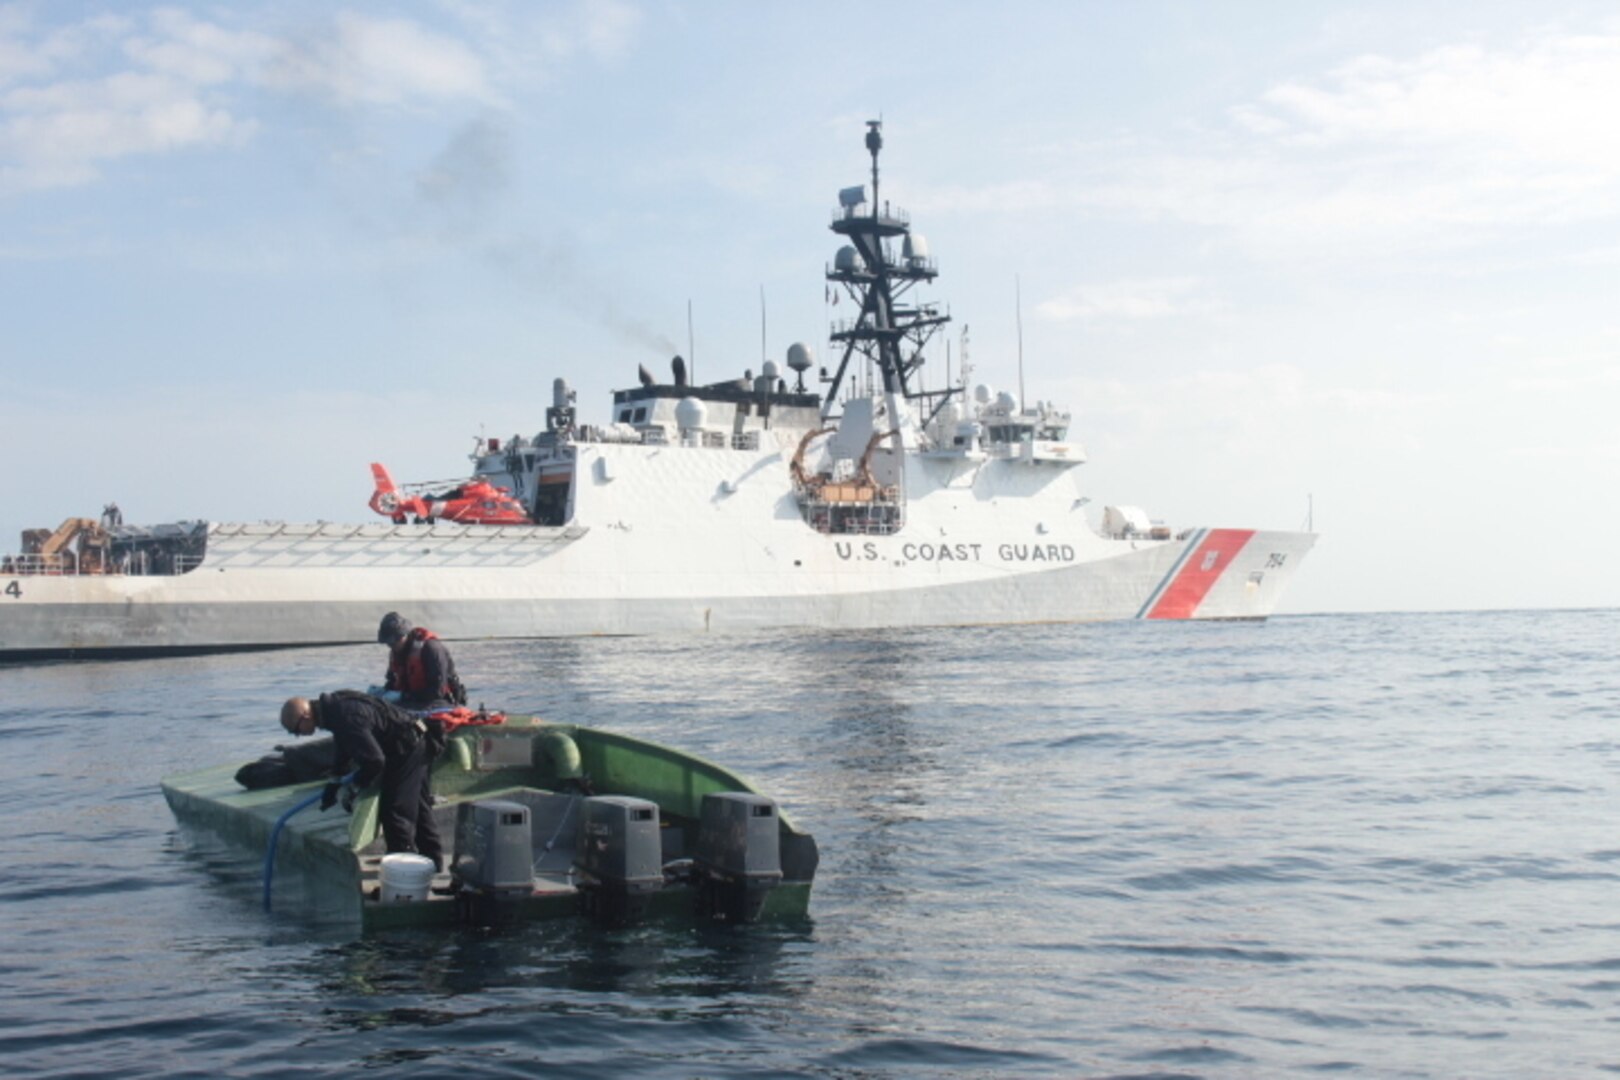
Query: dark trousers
406,804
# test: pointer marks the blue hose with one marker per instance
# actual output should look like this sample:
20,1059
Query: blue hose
275,834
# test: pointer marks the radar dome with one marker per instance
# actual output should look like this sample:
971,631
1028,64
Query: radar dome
981,394
848,260
690,414
769,369
799,357
1007,400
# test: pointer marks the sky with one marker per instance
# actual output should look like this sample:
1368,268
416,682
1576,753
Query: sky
1356,265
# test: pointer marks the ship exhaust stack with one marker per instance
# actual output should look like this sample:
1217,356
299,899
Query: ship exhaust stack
739,857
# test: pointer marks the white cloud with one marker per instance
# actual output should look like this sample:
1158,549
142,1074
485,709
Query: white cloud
1253,411
362,61
74,97
27,51
1560,454
526,46
1548,100
603,28
58,125
1605,381
1381,155
1460,139
59,135
17,59
197,53
1145,299
1009,197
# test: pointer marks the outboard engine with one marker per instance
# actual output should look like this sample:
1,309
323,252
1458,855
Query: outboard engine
738,859
494,862
620,856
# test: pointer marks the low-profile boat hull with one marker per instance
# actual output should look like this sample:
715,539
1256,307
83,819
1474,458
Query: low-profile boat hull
326,864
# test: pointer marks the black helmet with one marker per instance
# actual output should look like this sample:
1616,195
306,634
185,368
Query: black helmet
394,626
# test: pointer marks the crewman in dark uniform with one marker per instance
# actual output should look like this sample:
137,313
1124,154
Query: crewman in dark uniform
419,666
383,743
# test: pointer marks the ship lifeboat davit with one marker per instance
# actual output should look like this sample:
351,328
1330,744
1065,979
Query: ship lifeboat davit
471,502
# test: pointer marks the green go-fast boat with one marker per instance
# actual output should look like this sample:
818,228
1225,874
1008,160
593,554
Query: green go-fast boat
540,820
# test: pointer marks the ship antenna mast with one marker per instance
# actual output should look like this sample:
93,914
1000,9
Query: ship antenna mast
890,331
1018,308
966,366
874,143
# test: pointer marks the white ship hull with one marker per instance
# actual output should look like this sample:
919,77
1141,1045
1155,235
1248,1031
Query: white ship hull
668,539
739,505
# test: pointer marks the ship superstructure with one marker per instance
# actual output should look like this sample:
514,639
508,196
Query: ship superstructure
870,501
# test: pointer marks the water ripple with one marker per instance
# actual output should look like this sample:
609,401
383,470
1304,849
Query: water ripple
1379,845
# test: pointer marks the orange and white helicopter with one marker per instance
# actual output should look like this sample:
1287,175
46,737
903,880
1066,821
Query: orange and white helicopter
470,502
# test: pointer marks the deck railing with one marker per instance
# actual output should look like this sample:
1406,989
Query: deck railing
68,565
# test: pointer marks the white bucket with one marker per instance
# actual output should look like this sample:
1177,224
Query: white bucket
406,877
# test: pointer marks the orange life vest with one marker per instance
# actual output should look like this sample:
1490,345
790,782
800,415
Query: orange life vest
409,672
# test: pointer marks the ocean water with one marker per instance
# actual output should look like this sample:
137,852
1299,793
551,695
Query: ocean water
1376,845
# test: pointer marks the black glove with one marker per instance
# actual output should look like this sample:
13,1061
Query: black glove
348,798
329,795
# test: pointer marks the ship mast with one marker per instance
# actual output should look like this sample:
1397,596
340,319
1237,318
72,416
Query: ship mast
889,331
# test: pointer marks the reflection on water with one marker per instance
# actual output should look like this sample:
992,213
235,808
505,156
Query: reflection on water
560,968
1380,844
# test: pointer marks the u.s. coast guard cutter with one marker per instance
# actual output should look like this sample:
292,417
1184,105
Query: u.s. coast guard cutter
729,506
